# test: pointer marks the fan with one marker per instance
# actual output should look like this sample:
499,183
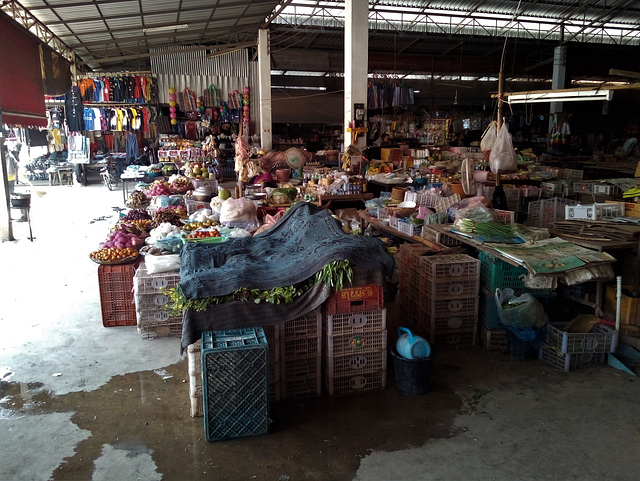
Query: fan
295,158
468,183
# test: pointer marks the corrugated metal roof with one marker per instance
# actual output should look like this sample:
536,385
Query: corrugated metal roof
87,12
120,8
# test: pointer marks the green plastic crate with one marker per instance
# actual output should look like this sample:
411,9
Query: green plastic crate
495,273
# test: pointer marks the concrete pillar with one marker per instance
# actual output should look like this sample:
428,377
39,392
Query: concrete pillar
264,74
356,61
558,80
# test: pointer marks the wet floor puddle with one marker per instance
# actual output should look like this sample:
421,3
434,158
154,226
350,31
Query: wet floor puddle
149,412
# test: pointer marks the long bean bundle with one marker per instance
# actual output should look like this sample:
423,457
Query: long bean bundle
487,229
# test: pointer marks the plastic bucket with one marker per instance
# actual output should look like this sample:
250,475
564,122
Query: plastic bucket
520,349
412,375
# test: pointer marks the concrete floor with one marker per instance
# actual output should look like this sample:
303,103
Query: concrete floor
82,402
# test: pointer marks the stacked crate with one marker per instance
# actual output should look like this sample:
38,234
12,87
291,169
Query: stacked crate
235,383
569,351
194,353
448,308
355,357
151,299
116,296
407,265
301,356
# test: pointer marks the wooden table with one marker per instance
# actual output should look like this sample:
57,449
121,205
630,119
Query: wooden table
366,219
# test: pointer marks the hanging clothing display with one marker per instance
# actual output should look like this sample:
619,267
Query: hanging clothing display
79,149
132,146
135,89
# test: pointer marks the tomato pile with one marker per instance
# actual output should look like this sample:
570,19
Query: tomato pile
203,234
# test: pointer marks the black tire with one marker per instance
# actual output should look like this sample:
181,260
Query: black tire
109,181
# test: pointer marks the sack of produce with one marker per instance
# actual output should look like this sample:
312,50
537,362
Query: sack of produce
520,312
164,263
502,159
238,210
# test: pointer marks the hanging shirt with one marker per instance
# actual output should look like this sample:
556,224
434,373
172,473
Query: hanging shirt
88,119
119,120
97,124
74,110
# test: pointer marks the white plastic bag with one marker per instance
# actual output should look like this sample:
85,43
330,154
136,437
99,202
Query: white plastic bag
502,159
524,311
489,137
166,263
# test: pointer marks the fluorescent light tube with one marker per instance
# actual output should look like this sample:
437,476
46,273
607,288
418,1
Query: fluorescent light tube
165,28
570,96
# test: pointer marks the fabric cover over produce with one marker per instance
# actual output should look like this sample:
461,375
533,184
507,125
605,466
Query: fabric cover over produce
302,242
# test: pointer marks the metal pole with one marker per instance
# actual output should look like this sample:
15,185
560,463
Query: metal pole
5,187
500,93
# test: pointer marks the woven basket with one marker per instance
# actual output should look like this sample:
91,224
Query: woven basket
397,193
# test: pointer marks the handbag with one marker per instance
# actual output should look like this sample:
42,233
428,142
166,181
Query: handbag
235,102
211,96
187,100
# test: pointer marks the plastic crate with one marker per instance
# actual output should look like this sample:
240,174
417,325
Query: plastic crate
601,339
462,307
496,273
570,362
235,370
605,189
307,326
146,283
355,364
595,211
301,377
505,217
151,331
453,340
407,228
355,299
433,235
428,200
514,197
150,301
531,192
195,205
449,288
155,317
356,343
552,189
356,383
452,267
212,184
356,322
447,323
583,188
382,214
443,204
543,213
393,221
116,297
492,339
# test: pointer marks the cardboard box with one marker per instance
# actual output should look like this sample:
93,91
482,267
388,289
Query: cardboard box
631,209
629,306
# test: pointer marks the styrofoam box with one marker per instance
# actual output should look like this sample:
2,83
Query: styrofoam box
595,211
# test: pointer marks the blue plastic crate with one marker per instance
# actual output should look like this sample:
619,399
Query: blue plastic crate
235,383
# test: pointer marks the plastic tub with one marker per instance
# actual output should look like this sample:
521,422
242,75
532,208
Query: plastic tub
413,376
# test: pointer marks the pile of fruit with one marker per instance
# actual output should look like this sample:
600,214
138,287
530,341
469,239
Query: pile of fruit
180,185
192,226
203,234
137,199
137,214
114,255
159,187
197,171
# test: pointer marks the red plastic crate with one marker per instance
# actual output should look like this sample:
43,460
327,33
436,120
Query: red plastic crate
353,299
116,294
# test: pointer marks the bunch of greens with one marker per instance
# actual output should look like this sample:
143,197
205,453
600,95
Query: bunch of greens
333,274
488,229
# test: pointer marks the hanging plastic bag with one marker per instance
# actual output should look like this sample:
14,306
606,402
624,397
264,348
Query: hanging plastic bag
502,159
521,312
489,137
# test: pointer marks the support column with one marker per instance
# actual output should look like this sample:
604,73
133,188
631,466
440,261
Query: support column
264,75
356,64
558,81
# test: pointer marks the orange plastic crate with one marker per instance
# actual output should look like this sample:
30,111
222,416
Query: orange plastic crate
116,294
